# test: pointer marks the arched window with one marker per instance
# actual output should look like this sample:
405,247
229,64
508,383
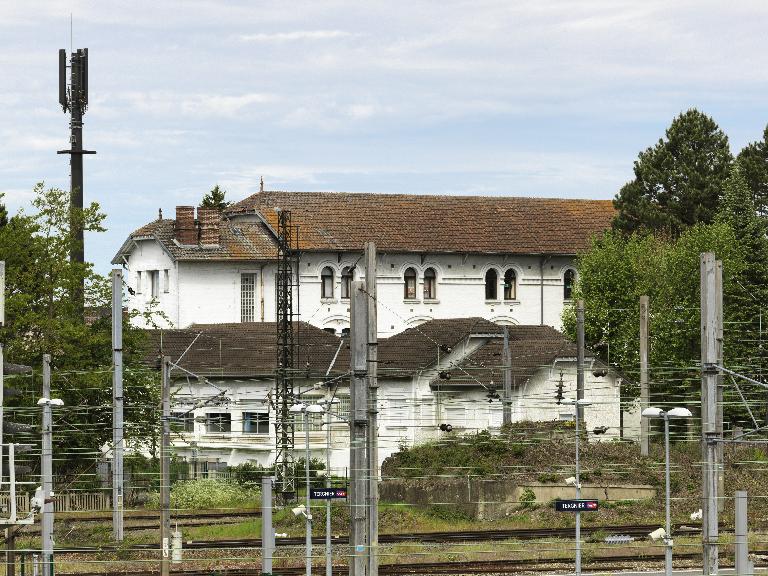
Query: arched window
430,284
346,282
326,283
410,284
569,278
510,285
491,284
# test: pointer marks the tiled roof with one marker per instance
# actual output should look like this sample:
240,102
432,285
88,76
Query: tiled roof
531,347
419,347
238,241
244,349
428,223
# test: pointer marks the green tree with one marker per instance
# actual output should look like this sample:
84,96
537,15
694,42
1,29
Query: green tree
215,199
3,212
41,318
678,182
618,269
753,160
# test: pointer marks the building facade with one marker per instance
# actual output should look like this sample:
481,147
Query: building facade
444,372
508,260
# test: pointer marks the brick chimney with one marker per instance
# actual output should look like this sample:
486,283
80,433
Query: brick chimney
184,230
208,220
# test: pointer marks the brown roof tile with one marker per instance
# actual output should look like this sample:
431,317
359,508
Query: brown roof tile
244,349
238,241
428,223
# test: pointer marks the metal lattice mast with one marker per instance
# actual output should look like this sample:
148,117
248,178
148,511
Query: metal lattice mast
284,427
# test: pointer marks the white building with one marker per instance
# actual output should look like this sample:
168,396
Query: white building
443,372
508,260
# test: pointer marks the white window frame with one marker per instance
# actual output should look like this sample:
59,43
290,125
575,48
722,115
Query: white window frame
248,301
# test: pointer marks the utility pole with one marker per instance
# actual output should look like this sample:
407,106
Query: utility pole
117,404
579,358
709,380
165,472
506,406
720,362
46,467
645,397
358,424
267,531
373,411
579,417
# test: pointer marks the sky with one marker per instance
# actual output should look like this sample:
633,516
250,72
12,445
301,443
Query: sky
524,98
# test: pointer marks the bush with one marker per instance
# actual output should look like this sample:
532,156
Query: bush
208,493
527,498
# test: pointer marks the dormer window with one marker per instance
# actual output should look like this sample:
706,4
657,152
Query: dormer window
491,284
326,283
430,284
346,282
410,284
510,285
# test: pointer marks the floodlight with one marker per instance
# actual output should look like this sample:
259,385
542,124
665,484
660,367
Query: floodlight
652,412
315,409
297,408
679,413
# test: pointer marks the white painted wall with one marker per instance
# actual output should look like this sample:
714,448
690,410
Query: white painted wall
410,413
209,292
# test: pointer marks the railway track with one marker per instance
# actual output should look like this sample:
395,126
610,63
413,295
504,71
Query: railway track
610,563
156,516
423,537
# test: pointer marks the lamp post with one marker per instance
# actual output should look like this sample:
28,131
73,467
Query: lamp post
666,416
578,404
307,410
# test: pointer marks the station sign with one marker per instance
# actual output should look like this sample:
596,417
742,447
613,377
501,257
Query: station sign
576,505
327,493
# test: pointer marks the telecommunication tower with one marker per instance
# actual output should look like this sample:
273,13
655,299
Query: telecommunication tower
73,97
287,275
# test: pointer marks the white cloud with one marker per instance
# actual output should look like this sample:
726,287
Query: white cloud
298,35
164,102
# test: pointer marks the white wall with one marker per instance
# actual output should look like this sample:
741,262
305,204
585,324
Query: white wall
209,292
147,256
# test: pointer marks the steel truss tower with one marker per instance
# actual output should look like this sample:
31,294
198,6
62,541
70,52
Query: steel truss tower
287,276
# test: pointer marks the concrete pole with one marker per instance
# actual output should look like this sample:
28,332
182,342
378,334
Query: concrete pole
741,531
668,525
308,539
2,358
117,404
709,378
645,397
579,417
720,470
165,472
507,395
579,357
267,530
578,494
328,544
373,411
46,467
358,423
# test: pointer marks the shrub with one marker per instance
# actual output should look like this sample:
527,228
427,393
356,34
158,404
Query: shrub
208,493
527,498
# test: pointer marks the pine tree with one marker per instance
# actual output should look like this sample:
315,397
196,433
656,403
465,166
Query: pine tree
3,212
753,160
215,199
678,182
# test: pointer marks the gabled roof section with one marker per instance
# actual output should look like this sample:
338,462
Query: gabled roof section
531,348
437,224
238,241
240,350
418,348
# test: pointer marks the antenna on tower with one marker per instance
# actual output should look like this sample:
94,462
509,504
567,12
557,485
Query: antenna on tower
75,101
